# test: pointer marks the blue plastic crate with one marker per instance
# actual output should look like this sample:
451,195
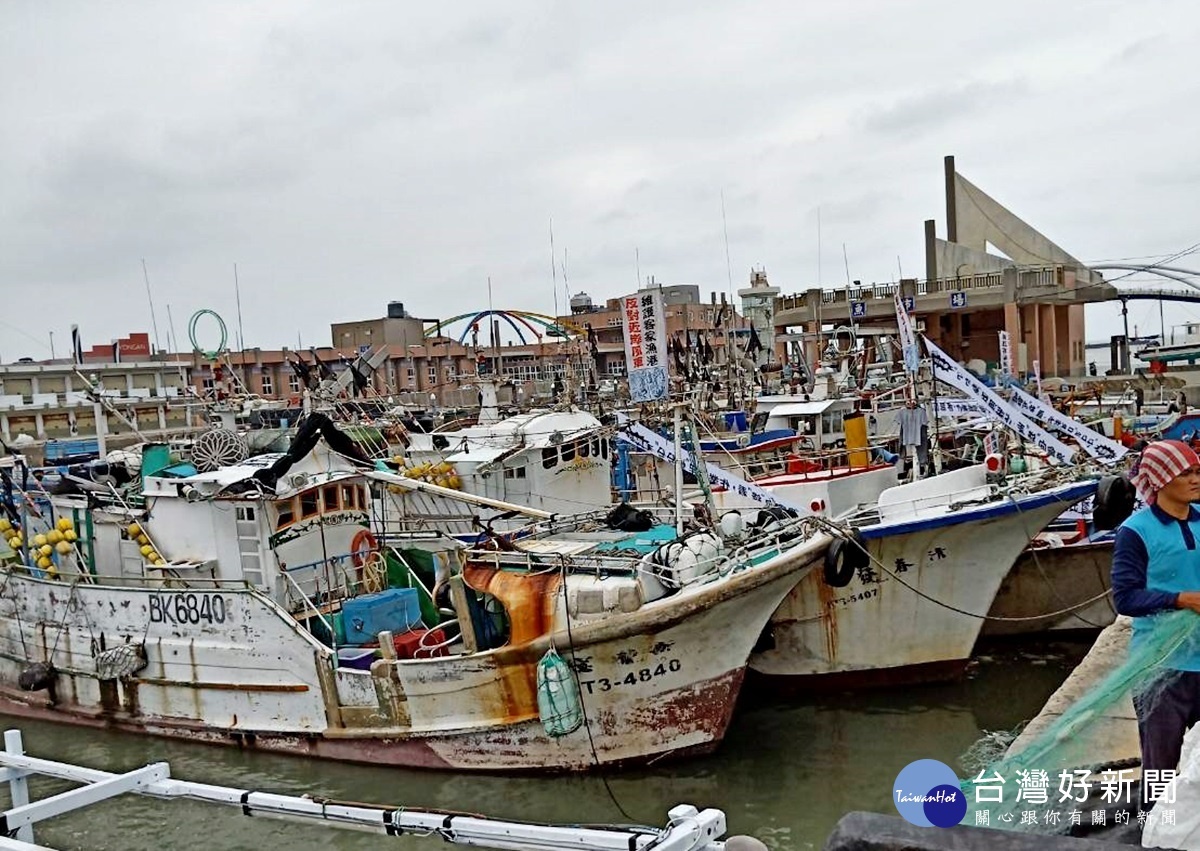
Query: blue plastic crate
396,610
356,657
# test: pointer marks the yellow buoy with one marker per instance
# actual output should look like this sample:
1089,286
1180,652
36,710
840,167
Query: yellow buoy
65,523
53,536
146,550
70,535
15,542
5,525
45,549
154,558
63,547
39,539
142,539
134,530
159,561
43,562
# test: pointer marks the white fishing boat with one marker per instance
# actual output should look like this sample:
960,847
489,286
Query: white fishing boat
208,608
911,611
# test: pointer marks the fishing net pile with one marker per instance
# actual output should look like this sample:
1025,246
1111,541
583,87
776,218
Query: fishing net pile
1053,785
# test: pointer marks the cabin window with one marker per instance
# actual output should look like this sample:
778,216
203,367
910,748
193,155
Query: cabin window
364,498
245,512
585,449
596,448
308,504
287,513
549,457
514,473
330,496
347,497
604,448
568,453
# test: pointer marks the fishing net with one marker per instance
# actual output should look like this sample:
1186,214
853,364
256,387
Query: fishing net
1053,776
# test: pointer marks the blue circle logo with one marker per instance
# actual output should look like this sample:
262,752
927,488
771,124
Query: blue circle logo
927,794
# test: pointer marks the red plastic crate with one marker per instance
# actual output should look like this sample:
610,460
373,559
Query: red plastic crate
408,644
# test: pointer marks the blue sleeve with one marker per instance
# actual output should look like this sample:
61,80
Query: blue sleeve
1129,564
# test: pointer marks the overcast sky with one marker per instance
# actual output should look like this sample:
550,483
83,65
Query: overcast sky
347,154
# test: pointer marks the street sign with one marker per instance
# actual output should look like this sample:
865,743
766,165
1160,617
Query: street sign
958,299
910,303
858,310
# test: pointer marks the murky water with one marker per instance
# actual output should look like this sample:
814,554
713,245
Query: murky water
786,773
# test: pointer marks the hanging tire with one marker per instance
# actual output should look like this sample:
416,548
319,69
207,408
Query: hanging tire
1115,497
845,557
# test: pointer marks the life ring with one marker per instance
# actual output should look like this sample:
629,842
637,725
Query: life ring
844,558
361,548
1115,496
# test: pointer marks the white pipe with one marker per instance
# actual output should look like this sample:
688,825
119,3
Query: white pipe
458,496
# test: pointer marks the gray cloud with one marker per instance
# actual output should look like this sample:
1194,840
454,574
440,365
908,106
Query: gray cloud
347,154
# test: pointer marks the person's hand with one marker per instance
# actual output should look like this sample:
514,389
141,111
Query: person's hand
1188,600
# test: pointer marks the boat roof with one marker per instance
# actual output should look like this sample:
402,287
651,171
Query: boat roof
534,430
798,409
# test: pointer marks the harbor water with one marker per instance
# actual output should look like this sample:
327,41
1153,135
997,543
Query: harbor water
786,772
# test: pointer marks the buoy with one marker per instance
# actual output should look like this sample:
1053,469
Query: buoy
65,524
63,547
142,539
134,530
14,542
559,705
53,536
45,549
70,535
153,557
146,550
5,525
38,540
43,562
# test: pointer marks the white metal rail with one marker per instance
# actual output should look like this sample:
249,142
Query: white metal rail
689,829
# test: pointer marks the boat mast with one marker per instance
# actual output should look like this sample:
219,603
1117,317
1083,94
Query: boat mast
678,424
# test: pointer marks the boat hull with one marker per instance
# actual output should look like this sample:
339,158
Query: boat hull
916,621
1049,580
657,682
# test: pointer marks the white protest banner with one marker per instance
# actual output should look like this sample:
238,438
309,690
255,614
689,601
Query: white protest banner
1037,377
958,408
908,343
645,440
1007,366
1095,444
949,372
645,327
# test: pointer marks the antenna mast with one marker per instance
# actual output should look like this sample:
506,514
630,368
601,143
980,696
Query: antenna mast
150,298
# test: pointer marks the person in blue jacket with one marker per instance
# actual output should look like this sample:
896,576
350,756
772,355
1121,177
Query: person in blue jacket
1156,567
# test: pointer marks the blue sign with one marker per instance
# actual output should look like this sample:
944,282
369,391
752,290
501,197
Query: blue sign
858,309
910,303
958,299
362,350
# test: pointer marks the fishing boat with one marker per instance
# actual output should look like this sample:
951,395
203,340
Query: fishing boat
936,551
1059,582
240,605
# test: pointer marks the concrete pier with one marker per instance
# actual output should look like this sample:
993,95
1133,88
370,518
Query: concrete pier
1108,738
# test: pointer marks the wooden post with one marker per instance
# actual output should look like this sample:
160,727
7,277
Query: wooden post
458,598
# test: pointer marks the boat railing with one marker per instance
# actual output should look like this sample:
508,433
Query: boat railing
306,606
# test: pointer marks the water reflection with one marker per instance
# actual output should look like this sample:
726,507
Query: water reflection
787,772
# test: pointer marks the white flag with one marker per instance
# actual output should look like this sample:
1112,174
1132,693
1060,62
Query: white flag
1007,368
949,372
1095,444
908,343
655,444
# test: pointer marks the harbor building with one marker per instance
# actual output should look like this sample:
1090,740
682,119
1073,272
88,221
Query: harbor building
1026,285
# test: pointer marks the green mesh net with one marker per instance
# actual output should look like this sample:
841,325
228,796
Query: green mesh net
1060,747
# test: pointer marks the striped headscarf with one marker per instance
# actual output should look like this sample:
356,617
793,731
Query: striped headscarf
1160,463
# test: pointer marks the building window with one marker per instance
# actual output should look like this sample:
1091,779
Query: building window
412,376
268,386
616,367
450,375
294,383
614,322
207,384
245,512
432,373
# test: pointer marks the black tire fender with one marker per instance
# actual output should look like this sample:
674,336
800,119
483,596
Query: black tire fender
1115,496
844,558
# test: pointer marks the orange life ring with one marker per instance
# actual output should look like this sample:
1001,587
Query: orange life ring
362,546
